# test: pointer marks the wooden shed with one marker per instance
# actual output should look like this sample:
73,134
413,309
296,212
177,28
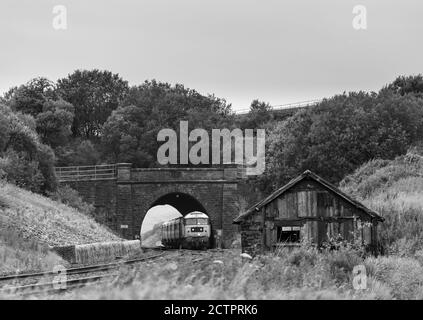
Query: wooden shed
307,208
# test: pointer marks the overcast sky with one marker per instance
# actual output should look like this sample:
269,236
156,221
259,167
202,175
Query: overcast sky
277,51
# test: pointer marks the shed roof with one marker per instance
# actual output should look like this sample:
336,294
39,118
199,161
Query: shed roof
307,175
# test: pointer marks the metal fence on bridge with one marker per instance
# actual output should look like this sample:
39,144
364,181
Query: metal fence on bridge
288,106
86,173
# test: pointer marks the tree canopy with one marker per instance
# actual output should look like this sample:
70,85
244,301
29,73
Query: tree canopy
341,133
94,95
130,134
24,160
93,116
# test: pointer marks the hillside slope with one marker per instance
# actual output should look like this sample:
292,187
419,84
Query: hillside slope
40,219
403,175
394,188
24,255
153,237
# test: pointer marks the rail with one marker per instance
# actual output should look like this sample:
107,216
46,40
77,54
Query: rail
44,287
86,173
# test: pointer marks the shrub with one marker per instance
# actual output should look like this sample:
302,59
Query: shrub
405,247
78,153
24,160
393,189
18,254
21,172
404,276
342,262
70,197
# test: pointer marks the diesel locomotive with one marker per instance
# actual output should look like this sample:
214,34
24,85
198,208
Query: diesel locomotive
192,231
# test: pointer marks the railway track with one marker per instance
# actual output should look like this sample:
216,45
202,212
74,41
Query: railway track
65,279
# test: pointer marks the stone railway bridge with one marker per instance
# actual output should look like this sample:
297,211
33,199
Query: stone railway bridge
122,195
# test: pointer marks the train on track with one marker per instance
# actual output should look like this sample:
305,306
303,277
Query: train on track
193,231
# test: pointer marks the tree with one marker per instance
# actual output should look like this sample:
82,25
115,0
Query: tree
341,133
130,134
54,123
37,101
94,94
406,85
259,116
30,97
24,160
78,153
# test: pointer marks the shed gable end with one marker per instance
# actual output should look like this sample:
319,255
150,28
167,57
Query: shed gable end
310,199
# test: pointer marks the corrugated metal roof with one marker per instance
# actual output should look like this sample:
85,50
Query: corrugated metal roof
315,177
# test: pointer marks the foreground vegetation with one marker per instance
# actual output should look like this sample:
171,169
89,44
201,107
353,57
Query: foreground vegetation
302,273
19,255
393,188
39,218
30,224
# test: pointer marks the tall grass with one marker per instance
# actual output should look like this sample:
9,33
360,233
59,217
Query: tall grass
24,255
46,221
31,223
394,189
301,273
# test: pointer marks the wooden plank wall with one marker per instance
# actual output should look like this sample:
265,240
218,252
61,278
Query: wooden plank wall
320,212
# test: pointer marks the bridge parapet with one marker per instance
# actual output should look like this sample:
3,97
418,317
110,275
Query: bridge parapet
124,172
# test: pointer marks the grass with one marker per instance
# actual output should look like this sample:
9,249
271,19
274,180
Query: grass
301,273
394,189
30,224
19,255
46,221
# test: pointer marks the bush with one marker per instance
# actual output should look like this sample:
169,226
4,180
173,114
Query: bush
404,276
70,197
78,153
21,172
24,160
340,134
393,189
24,255
405,247
342,262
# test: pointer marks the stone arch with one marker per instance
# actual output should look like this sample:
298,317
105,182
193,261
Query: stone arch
145,196
184,203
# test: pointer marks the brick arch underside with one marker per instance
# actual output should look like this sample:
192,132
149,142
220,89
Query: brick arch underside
208,195
183,202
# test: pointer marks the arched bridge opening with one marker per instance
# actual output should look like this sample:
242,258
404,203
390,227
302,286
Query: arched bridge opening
182,202
165,208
